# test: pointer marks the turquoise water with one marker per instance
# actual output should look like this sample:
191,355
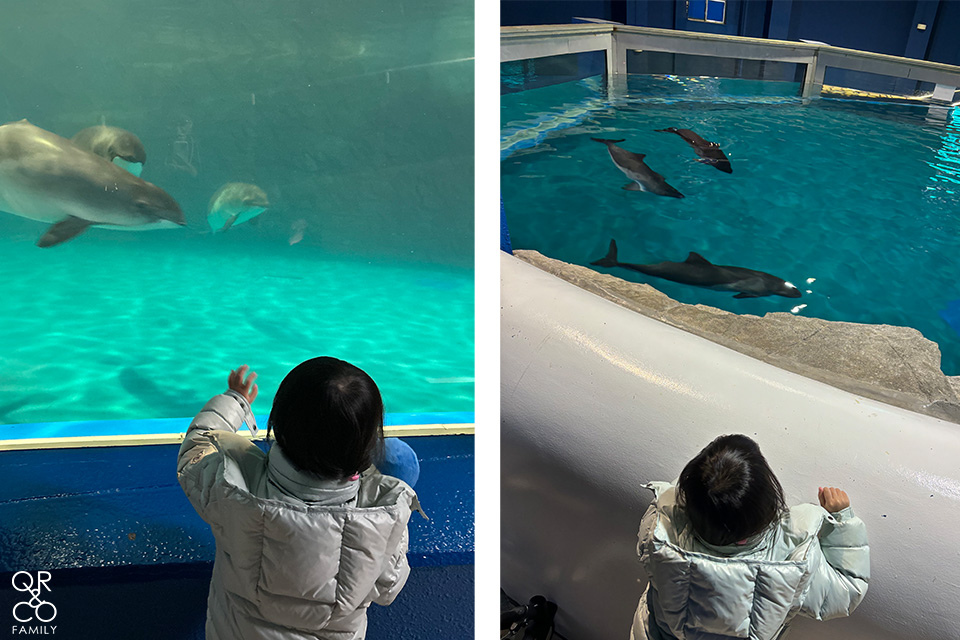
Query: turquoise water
355,119
855,203
149,325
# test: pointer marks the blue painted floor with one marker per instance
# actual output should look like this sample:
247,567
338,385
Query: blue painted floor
129,558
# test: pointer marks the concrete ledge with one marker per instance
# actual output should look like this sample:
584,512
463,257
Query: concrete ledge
895,365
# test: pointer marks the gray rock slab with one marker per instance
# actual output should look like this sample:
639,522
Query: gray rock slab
895,365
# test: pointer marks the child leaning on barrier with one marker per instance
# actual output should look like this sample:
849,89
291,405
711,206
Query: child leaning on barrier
726,558
309,534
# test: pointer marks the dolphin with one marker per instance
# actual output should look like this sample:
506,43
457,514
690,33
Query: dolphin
48,178
709,152
234,203
699,272
116,145
644,178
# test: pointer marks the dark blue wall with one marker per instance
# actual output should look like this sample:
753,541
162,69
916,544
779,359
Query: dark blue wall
881,26
660,14
944,40
520,12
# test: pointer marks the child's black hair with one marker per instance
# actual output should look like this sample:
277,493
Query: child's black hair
327,417
729,491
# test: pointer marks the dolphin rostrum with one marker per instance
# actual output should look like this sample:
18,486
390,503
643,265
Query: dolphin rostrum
644,178
709,152
48,178
697,271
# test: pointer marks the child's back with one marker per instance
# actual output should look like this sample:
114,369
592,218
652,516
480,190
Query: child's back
298,555
805,561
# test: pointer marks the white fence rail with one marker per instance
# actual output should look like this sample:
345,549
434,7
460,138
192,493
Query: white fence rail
522,43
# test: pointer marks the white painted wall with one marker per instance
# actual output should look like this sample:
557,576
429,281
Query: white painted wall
597,400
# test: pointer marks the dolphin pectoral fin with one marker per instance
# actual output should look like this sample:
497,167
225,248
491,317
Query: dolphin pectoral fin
229,222
632,186
746,295
62,231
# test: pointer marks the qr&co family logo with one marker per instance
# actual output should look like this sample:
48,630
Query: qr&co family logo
33,615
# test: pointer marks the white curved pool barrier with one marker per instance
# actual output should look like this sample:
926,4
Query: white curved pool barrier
596,400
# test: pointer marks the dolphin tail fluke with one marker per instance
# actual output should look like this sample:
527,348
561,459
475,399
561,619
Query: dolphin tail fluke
609,260
671,192
607,141
63,231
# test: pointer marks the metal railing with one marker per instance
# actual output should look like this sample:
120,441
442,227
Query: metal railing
526,42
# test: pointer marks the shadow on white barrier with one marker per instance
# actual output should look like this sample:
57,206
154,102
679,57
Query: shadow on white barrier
596,400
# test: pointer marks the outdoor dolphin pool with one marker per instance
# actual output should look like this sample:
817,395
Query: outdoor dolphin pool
856,203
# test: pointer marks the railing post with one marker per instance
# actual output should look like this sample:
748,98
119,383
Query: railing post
813,77
616,56
616,63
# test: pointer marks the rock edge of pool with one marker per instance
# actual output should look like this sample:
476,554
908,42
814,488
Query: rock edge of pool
895,365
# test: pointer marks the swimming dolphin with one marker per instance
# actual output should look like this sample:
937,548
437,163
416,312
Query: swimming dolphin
116,145
632,164
234,203
697,271
709,152
48,178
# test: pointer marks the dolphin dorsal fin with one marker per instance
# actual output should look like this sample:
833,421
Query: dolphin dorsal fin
696,258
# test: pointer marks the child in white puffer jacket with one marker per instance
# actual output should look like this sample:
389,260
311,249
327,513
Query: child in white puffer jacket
311,533
725,558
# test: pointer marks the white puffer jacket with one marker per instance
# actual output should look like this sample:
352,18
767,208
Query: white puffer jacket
297,557
810,563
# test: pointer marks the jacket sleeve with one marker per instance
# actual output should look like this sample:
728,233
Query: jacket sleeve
202,451
395,575
839,581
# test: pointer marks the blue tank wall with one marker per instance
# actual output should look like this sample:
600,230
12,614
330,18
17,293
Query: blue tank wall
944,43
125,548
881,26
520,12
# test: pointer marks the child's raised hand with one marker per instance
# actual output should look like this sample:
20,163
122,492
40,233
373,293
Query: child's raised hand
248,389
833,499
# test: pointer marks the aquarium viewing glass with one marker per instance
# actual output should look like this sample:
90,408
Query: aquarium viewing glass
322,157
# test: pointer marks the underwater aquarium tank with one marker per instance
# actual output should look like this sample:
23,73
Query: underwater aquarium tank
853,202
305,188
